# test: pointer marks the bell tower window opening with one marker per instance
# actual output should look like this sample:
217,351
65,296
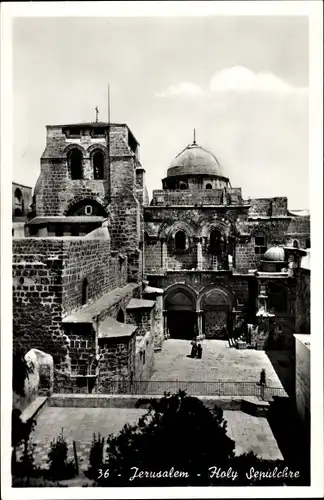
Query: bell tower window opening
75,164
183,185
84,298
98,161
180,240
88,209
209,186
260,244
295,244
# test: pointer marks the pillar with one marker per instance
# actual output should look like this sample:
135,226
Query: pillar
159,322
165,324
164,255
200,322
199,254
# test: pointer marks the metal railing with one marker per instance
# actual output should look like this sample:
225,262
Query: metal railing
159,387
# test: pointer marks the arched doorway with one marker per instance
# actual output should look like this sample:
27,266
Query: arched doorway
217,314
181,314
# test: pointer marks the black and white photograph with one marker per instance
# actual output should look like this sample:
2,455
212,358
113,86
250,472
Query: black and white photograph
161,178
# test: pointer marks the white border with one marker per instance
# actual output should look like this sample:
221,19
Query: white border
313,10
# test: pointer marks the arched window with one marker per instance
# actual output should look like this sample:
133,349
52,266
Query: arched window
18,196
75,164
84,291
183,185
209,186
121,316
98,163
308,243
295,244
216,242
260,243
180,240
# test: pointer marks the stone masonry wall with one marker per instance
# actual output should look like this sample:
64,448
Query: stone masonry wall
302,303
238,222
47,285
91,260
302,360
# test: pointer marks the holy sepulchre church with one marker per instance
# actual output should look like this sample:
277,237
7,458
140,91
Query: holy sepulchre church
102,276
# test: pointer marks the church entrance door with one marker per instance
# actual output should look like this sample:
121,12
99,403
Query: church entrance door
181,314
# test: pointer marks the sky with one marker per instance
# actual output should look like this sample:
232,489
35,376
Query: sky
240,81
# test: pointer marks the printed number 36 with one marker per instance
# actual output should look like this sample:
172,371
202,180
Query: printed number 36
103,474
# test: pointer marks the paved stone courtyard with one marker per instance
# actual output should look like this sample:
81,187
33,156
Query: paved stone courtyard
219,362
250,433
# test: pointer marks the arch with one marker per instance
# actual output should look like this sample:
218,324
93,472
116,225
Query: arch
208,186
296,244
183,185
18,195
121,316
98,164
206,227
228,296
80,208
180,240
217,304
216,242
85,290
185,289
75,163
181,316
72,146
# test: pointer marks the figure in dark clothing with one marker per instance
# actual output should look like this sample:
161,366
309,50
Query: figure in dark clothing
263,377
199,351
193,348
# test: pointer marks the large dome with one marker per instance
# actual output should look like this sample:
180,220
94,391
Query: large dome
194,160
275,254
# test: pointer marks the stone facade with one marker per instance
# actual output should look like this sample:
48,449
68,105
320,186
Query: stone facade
302,376
101,276
80,263
201,235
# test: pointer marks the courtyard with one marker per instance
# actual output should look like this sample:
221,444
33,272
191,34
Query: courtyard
219,363
249,432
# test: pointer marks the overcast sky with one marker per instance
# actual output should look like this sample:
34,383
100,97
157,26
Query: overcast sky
242,82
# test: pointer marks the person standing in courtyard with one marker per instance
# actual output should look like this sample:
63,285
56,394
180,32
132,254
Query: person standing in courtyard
199,351
193,348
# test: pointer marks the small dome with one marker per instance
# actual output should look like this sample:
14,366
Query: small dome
194,160
276,254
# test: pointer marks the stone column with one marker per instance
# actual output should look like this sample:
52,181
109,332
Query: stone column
164,255
165,324
199,254
159,322
200,322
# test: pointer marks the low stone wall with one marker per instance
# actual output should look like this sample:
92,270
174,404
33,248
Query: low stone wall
128,401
